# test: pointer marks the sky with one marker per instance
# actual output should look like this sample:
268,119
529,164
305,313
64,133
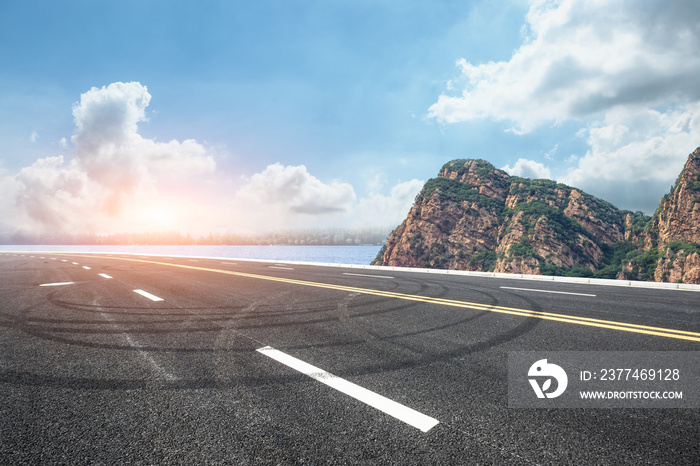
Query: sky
235,117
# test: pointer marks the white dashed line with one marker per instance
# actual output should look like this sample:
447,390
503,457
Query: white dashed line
280,268
86,267
366,275
390,407
104,275
148,295
74,263
57,284
547,291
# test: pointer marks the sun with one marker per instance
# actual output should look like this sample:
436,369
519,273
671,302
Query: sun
157,216
160,216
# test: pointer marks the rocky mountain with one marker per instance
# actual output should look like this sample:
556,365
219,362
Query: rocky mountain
476,217
671,252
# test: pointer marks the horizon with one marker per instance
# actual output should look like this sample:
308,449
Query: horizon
243,119
302,236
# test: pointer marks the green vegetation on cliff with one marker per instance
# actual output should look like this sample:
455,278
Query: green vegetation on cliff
456,191
476,217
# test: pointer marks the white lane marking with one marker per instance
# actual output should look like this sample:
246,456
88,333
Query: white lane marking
86,267
57,284
366,275
64,260
104,275
229,263
280,267
547,291
148,295
390,407
74,263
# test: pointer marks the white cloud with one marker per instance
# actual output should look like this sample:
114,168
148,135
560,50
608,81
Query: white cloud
389,210
627,71
115,173
281,196
52,194
111,150
120,181
582,58
34,137
290,197
528,169
635,155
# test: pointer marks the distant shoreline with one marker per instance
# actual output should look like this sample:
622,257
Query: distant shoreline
335,254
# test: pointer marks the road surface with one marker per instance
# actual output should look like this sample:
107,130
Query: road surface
173,360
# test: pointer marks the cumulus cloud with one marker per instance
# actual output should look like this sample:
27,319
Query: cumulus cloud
289,197
120,181
635,156
109,147
390,210
52,192
581,58
113,165
528,169
626,70
277,195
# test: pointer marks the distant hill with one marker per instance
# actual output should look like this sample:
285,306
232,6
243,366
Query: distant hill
476,217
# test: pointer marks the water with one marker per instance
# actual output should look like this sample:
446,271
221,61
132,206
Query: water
357,255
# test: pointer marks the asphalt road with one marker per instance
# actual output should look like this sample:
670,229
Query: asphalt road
382,367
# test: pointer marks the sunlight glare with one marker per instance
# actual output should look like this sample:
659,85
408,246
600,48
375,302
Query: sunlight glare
158,216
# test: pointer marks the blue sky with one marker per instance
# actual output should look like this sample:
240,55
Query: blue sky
234,116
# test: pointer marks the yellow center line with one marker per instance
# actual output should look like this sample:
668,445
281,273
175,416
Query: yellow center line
607,324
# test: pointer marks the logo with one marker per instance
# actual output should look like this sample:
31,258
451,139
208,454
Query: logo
542,370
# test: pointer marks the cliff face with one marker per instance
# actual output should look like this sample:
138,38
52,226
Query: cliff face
671,249
678,215
476,217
